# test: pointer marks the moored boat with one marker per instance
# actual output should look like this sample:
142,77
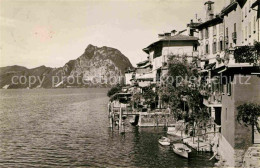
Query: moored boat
164,141
181,149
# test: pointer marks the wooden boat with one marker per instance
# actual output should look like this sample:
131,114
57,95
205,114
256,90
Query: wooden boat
181,149
164,141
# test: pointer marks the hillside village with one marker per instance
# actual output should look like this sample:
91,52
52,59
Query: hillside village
205,80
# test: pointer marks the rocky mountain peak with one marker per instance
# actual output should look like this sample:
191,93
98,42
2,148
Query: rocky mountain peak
96,64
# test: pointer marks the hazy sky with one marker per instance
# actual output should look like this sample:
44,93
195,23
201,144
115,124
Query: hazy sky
52,32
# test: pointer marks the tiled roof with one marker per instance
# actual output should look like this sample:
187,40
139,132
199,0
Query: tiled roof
211,22
142,63
179,37
232,6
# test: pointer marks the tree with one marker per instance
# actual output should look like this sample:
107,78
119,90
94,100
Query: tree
184,95
114,90
248,114
149,95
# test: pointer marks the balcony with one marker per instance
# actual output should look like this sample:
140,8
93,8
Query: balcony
214,100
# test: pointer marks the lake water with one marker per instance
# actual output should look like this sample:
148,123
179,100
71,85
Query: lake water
69,128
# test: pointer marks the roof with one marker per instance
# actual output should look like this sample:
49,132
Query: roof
142,63
193,25
208,2
148,76
178,37
256,3
229,8
144,66
211,22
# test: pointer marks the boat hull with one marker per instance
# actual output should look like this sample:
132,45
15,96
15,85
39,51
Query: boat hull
164,143
181,150
184,154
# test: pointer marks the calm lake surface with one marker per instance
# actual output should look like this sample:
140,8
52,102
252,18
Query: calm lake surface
69,128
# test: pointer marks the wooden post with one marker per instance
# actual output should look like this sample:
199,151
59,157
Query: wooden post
198,142
120,119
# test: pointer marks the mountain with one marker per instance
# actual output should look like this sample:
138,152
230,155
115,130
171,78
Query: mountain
96,67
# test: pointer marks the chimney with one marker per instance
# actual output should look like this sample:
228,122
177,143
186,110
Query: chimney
160,36
167,34
209,9
173,32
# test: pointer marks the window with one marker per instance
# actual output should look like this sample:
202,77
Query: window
201,34
157,51
221,28
214,47
206,33
249,3
207,48
229,89
246,33
209,6
221,48
226,114
227,32
214,30
235,27
254,26
243,35
195,47
221,88
249,29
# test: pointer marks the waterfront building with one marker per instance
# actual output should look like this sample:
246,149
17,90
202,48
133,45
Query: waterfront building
211,39
231,64
183,47
128,76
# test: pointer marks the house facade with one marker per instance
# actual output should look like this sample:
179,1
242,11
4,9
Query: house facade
231,66
183,47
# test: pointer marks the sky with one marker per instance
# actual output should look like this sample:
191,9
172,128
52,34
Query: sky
52,32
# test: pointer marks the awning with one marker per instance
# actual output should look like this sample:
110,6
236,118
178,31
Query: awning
119,95
210,66
142,63
144,66
148,76
223,70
